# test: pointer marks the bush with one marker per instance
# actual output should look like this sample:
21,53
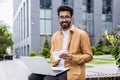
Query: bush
118,61
100,44
115,42
1,57
99,53
93,50
110,47
106,49
99,49
32,53
45,50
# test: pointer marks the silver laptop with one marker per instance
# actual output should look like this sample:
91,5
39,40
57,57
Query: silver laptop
39,65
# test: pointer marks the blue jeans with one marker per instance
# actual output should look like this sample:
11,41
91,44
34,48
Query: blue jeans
62,76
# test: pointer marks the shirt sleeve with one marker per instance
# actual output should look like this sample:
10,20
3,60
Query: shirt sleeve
86,50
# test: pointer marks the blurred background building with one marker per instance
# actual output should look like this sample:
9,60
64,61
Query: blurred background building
33,19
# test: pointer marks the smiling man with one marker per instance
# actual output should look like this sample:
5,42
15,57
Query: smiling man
74,45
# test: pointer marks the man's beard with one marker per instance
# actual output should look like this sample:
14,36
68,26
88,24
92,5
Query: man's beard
65,25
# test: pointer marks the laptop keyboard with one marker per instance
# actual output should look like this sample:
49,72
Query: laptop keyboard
57,71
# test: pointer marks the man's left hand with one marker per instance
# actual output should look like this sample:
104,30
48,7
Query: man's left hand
67,57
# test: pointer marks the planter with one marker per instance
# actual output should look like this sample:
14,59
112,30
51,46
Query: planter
8,57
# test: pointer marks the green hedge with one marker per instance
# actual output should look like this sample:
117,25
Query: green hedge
32,53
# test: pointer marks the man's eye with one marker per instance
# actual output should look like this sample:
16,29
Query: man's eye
64,17
61,17
67,16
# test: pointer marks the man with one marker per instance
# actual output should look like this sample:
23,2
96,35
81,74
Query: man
75,45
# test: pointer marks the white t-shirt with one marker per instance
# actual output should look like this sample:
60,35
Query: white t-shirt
64,45
65,39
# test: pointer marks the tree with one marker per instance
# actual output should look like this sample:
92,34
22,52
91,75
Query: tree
5,41
45,51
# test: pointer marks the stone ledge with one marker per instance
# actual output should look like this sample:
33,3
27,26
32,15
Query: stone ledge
103,75
104,78
103,72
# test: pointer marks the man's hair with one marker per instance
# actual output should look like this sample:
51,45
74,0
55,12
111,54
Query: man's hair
65,8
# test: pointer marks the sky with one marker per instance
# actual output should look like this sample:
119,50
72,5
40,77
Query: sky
6,12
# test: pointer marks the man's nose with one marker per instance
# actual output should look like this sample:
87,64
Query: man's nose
64,19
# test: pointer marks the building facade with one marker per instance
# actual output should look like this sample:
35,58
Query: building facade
35,18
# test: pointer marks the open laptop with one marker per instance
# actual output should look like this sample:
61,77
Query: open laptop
39,65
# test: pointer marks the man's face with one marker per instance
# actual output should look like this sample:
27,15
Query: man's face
65,19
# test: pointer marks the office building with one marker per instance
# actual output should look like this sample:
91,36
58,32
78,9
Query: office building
35,18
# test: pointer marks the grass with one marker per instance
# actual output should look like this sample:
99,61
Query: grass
105,59
97,61
100,62
49,62
87,66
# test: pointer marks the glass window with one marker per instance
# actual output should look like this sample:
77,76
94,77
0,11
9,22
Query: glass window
45,27
42,27
89,6
48,27
103,17
45,17
84,7
108,17
87,15
107,10
42,13
90,27
106,25
83,2
42,3
68,2
107,14
84,16
107,4
48,13
45,3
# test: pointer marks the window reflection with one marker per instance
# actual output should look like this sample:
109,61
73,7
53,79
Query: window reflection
68,2
45,3
89,6
45,17
107,14
87,15
107,10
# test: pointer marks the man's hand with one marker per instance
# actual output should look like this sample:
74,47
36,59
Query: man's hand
67,57
55,63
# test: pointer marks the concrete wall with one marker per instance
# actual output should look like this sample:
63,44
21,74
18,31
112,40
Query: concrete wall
55,5
116,13
35,26
77,13
97,19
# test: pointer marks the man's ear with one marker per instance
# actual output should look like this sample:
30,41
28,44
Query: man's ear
72,18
